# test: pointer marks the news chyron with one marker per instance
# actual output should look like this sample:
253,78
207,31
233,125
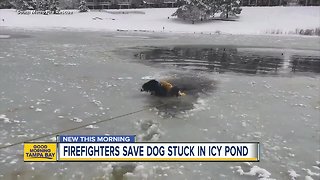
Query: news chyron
113,148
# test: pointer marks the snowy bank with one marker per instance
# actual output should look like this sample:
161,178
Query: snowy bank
253,20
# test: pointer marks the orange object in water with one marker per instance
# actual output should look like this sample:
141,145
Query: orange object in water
166,85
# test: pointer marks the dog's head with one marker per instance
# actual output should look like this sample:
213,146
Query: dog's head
150,86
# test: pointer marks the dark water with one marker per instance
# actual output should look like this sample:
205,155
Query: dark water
230,59
305,63
193,85
193,60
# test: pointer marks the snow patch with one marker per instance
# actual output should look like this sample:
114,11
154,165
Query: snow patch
293,174
38,110
308,178
92,127
310,173
76,119
147,77
150,130
254,171
3,36
14,161
124,78
201,105
4,118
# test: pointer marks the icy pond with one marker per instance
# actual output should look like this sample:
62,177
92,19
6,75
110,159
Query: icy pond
239,88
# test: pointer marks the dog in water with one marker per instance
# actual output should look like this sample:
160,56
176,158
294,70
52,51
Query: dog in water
162,88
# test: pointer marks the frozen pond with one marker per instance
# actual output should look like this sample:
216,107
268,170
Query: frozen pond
239,88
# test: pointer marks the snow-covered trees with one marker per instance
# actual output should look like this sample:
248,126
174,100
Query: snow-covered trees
46,5
198,10
33,3
83,6
229,8
189,12
43,5
54,6
25,5
19,4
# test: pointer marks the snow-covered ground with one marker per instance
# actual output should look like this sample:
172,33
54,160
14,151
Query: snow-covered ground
253,20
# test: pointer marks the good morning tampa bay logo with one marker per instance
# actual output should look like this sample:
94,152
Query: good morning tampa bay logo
40,151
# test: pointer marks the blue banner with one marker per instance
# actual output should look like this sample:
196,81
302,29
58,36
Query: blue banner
96,138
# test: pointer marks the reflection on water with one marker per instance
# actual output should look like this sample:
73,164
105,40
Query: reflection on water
305,63
230,59
251,61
